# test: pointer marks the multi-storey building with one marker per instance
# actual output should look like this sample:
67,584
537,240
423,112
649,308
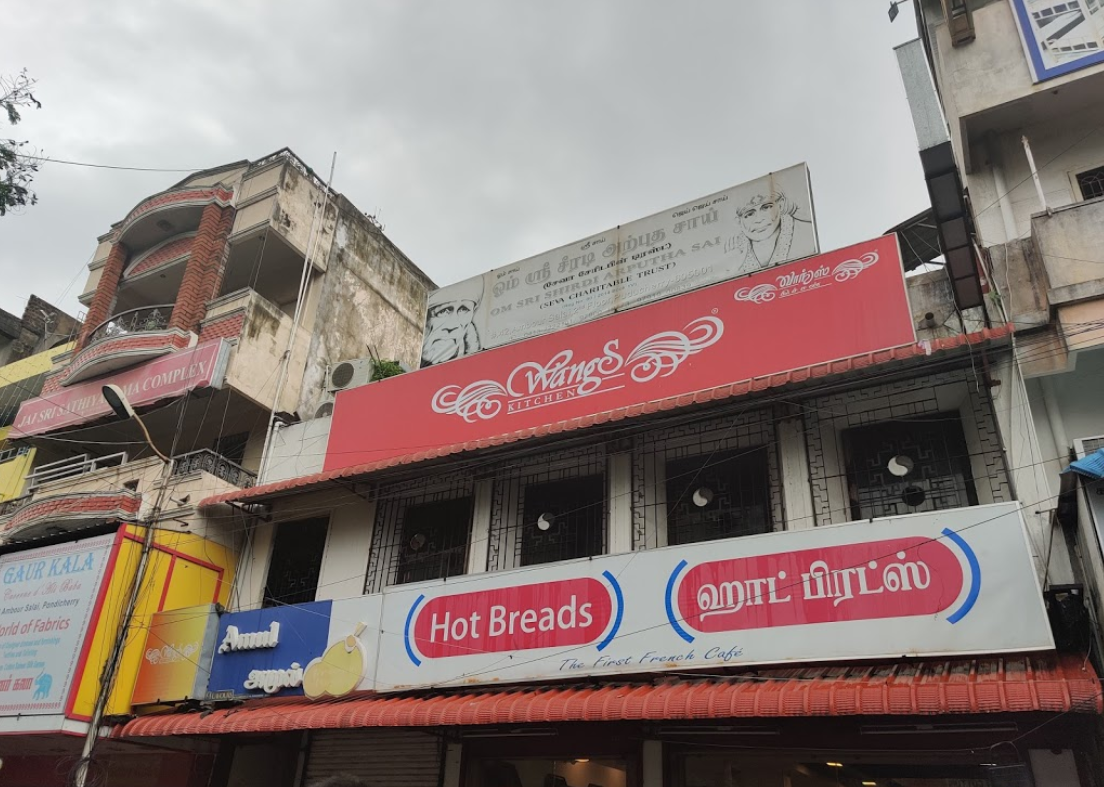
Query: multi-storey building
774,530
1020,84
216,307
27,347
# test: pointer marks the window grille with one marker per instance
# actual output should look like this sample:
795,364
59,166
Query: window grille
904,467
422,530
1091,183
562,520
570,485
718,495
958,464
735,457
296,562
434,541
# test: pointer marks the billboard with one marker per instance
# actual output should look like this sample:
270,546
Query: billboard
939,583
174,662
837,305
172,375
742,230
1060,36
47,597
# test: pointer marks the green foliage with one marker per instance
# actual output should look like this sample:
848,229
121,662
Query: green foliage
17,169
382,369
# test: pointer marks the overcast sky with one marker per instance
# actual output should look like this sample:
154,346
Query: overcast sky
479,131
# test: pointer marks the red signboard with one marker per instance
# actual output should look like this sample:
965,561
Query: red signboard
172,375
866,581
836,305
561,613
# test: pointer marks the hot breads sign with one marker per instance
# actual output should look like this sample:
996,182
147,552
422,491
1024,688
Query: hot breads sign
931,584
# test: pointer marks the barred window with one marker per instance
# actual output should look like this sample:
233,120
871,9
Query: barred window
1091,183
718,495
906,466
296,562
563,520
434,541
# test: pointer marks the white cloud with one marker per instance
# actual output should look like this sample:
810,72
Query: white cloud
483,131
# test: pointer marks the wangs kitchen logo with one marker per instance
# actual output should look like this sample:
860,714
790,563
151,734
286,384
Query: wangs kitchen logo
565,376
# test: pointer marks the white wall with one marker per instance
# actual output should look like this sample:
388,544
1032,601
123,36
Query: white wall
1059,149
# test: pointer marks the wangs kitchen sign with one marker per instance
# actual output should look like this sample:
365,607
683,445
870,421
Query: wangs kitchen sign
838,305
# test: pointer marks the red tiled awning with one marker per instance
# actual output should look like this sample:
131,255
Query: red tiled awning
797,376
1047,683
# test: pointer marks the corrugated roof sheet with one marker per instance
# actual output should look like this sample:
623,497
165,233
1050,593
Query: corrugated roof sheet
1041,682
805,374
1092,466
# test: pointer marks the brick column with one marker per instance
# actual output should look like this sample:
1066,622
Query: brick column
102,301
203,274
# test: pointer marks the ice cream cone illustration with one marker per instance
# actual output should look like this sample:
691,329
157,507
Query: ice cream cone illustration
339,670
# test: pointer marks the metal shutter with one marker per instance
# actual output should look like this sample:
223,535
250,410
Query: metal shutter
384,758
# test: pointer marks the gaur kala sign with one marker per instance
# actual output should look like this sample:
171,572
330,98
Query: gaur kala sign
845,303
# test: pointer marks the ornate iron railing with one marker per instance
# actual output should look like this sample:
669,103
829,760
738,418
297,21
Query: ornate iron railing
215,464
142,320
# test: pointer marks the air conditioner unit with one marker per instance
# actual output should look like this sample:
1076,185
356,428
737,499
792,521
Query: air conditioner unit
960,22
325,407
349,374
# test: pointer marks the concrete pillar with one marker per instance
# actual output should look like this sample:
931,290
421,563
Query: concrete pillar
480,542
203,273
620,503
452,774
651,761
104,299
797,491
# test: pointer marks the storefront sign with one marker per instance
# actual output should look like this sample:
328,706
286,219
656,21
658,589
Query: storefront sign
927,584
262,661
834,306
47,597
745,229
177,657
172,375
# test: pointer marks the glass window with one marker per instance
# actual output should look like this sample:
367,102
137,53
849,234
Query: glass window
296,562
902,467
563,520
718,495
716,769
434,540
534,772
1091,183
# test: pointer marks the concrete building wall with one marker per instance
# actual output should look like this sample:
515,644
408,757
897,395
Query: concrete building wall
1000,183
372,296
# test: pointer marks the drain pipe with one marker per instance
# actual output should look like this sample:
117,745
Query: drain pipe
304,287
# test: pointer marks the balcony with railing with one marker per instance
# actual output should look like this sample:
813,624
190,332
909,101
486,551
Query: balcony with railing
85,491
125,339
